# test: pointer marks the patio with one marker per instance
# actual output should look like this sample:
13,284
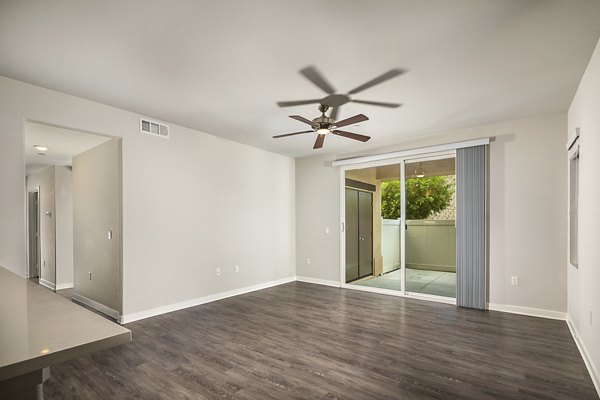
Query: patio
439,283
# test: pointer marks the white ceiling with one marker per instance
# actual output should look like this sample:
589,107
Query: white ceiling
62,145
221,66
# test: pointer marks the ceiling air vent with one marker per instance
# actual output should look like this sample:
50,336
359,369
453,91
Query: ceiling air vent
154,128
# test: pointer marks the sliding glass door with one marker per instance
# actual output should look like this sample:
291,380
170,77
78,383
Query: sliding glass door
372,228
430,228
403,237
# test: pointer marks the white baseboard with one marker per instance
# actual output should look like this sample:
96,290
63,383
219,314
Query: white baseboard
593,371
325,282
47,284
114,314
62,286
127,318
533,312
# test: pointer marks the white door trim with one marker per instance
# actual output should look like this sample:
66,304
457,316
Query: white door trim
402,243
39,233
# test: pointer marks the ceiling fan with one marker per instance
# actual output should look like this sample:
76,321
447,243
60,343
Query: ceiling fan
336,100
324,125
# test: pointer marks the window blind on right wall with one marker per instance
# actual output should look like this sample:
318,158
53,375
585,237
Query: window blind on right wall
471,227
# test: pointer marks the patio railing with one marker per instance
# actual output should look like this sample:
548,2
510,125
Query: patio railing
430,244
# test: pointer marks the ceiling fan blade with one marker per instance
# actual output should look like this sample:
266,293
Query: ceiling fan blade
334,113
377,103
352,120
291,134
302,119
319,141
297,103
312,74
351,135
380,79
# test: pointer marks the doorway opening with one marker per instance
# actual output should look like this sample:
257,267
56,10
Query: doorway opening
49,153
402,237
33,233
73,188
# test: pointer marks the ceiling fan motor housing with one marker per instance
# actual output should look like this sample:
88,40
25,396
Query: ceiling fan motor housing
322,122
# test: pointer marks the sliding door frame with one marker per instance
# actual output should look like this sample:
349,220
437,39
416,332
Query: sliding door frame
423,158
412,156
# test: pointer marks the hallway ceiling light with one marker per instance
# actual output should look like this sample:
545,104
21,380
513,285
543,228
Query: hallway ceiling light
40,147
420,172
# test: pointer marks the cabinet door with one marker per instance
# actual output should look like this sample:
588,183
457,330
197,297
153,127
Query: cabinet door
351,235
365,234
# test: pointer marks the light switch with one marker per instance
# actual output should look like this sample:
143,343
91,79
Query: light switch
110,234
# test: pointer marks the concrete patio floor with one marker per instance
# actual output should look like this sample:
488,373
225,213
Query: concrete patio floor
417,280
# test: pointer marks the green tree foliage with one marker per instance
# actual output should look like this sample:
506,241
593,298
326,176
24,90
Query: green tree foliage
424,196
390,199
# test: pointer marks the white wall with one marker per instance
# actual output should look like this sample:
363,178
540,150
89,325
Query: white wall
56,230
44,180
96,211
63,194
12,191
583,282
527,210
191,203
390,244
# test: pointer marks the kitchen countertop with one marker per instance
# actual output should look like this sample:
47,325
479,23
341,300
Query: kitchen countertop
39,328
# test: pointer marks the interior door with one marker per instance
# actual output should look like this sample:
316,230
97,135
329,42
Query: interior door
33,213
365,233
351,235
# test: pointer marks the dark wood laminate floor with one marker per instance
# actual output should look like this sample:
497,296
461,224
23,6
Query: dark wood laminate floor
304,341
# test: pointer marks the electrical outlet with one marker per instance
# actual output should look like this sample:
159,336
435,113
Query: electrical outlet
237,268
218,271
514,281
90,274
308,260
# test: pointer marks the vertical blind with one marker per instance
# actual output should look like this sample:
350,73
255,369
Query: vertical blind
471,227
